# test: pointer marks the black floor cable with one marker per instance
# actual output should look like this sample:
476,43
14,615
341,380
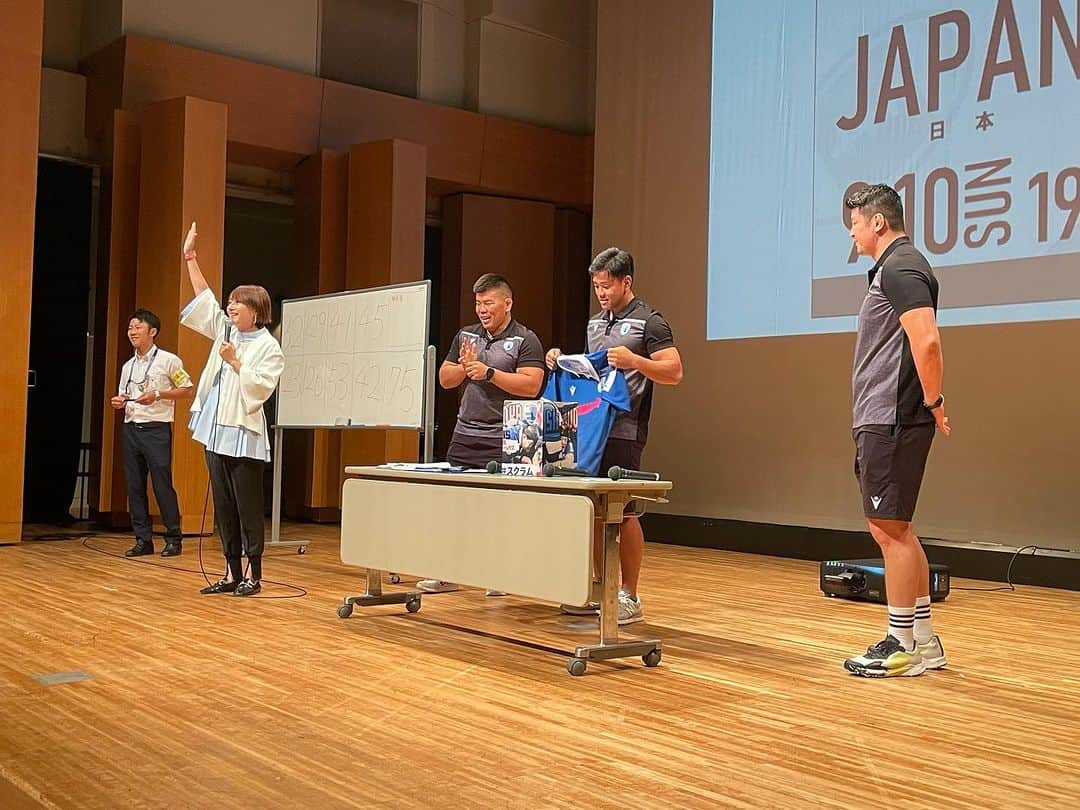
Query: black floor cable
1009,586
299,591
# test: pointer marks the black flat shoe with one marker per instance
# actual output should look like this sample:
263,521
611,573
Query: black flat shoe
248,587
221,586
140,549
172,550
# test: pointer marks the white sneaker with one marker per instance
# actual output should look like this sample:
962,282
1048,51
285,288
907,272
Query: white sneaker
629,609
588,609
932,652
887,659
493,592
437,586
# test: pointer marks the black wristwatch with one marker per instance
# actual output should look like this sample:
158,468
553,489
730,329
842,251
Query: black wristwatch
937,403
489,373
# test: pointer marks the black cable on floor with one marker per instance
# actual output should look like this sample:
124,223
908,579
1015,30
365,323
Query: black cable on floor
299,592
1009,586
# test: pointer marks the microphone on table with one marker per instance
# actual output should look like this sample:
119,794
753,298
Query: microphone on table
493,466
617,472
550,470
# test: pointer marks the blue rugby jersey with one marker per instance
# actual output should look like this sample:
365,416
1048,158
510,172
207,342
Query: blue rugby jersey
599,401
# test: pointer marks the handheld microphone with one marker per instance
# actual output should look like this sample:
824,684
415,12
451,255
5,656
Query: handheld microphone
228,332
550,470
617,472
494,466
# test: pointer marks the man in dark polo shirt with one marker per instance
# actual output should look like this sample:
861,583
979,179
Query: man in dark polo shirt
898,406
638,340
496,359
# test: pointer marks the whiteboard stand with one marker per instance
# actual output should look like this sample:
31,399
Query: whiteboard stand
427,428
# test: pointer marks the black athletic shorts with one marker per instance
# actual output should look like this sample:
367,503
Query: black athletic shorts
625,453
474,452
889,463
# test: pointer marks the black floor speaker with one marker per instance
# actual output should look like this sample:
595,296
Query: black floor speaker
865,580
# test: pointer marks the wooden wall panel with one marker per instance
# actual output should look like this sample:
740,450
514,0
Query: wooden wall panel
322,184
104,71
533,162
20,90
454,138
386,213
277,117
118,260
386,209
515,238
182,178
268,106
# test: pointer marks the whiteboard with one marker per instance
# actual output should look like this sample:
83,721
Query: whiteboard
355,358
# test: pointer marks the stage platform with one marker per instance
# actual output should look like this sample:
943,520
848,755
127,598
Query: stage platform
121,686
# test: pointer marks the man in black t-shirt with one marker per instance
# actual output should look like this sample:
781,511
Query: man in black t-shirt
496,359
897,407
638,340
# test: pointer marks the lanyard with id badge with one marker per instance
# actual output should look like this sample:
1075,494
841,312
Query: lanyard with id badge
133,389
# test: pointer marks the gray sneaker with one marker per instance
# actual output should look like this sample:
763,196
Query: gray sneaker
437,586
932,652
588,609
629,609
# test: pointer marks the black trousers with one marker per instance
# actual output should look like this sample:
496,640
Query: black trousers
148,449
237,484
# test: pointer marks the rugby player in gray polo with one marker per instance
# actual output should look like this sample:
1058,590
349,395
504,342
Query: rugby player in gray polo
897,408
496,359
639,342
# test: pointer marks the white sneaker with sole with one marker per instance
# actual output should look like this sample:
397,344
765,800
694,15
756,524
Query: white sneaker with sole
932,652
887,659
493,592
629,609
436,586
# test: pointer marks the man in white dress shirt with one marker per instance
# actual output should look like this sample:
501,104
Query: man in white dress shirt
150,383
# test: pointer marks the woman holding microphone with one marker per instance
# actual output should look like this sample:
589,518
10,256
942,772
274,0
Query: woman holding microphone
227,416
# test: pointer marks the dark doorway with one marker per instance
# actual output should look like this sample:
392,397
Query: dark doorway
58,328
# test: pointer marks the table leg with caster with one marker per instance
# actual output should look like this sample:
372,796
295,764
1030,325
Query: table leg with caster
373,595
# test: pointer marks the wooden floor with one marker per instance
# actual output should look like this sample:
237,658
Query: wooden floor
196,701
